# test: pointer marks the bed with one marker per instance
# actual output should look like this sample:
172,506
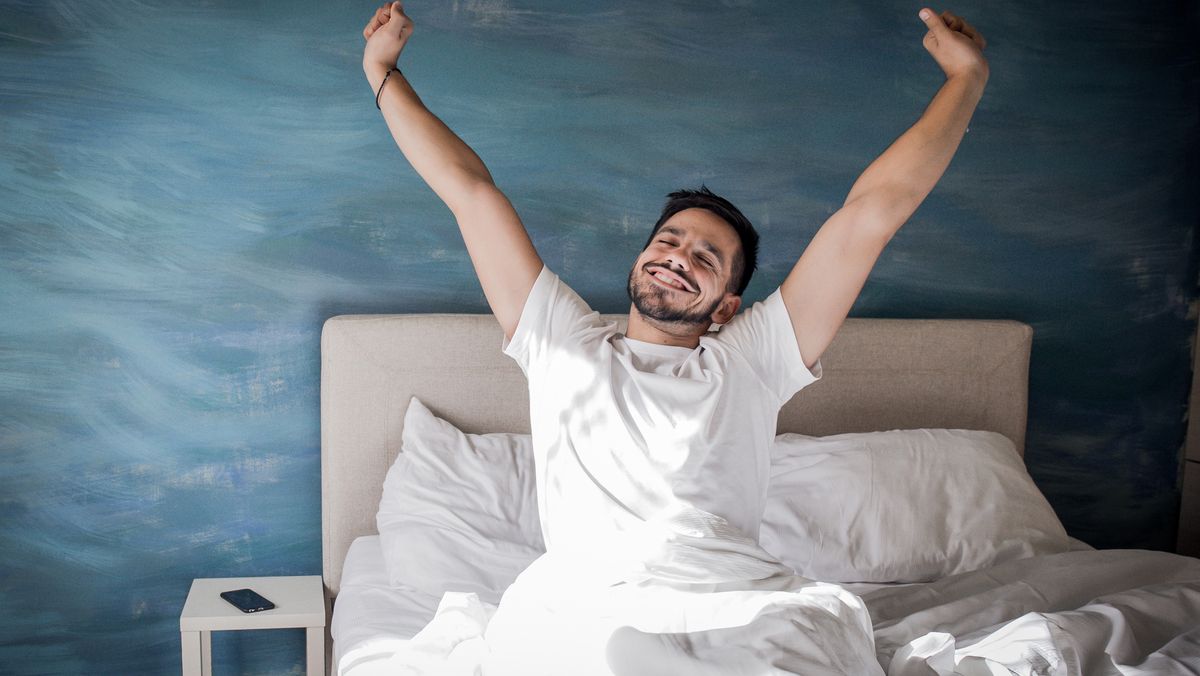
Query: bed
1119,611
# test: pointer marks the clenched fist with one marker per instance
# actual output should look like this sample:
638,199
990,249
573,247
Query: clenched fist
956,45
386,34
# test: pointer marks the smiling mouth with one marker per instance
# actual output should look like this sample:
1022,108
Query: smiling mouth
669,281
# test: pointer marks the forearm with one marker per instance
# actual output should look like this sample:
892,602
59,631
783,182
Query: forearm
902,177
441,158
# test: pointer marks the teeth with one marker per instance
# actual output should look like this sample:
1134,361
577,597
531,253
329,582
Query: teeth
668,280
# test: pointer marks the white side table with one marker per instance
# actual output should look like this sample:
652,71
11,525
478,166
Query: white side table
299,604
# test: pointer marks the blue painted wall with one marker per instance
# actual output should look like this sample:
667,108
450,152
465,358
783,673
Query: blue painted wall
187,190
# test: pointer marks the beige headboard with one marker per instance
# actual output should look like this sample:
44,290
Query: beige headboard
880,374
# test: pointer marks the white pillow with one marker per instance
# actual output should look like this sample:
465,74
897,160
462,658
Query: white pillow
459,511
903,505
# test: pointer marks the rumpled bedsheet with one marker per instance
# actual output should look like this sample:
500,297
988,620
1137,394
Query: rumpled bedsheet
1081,613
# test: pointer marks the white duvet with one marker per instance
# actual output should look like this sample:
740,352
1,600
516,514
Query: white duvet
686,595
1083,612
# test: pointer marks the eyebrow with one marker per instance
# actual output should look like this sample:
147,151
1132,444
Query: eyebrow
672,230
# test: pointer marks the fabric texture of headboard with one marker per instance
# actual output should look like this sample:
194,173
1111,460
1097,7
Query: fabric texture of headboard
879,374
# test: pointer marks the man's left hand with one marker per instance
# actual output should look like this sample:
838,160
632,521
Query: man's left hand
956,45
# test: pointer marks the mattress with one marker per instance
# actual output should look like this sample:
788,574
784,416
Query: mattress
370,616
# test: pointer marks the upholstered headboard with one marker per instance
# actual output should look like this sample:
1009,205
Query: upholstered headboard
879,374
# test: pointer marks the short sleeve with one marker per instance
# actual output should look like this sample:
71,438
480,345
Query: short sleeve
554,316
764,336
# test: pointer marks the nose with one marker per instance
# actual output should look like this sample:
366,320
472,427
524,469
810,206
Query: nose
676,259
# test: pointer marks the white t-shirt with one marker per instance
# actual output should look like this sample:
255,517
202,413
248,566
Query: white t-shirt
624,430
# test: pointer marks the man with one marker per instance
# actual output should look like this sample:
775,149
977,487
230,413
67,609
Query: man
652,446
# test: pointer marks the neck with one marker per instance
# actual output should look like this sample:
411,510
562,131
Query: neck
663,333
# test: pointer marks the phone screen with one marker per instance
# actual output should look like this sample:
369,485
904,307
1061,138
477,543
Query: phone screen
247,600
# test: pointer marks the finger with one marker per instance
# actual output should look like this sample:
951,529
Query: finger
398,8
373,25
953,22
935,23
973,33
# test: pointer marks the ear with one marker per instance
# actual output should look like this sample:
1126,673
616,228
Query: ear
727,309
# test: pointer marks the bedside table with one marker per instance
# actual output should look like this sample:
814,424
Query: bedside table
299,604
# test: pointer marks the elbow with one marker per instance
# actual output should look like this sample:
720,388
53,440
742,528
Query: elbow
471,191
485,206
880,214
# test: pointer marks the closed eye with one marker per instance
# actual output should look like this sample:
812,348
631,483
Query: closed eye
707,261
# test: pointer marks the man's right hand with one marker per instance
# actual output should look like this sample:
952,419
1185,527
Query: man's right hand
956,45
386,34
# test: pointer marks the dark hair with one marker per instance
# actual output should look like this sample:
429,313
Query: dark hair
746,260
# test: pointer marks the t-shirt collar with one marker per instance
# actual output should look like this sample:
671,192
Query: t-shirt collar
655,348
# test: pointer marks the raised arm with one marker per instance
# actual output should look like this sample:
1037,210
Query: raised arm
823,285
500,249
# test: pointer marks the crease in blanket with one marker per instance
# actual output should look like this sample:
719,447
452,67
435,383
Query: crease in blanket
1028,646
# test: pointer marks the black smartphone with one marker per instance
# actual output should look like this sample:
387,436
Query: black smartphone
247,600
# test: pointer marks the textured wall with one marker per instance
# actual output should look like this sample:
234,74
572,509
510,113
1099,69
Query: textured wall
187,190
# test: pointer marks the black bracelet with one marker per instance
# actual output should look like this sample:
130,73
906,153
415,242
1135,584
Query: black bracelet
385,77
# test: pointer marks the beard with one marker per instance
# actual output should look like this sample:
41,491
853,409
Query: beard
653,302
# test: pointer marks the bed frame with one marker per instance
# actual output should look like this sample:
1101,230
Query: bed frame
879,374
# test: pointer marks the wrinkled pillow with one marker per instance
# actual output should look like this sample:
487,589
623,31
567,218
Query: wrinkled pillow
458,511
903,505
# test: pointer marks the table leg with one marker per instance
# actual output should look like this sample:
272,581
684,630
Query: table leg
206,653
316,651
190,641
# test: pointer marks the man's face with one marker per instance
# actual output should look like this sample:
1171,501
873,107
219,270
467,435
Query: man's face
684,275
